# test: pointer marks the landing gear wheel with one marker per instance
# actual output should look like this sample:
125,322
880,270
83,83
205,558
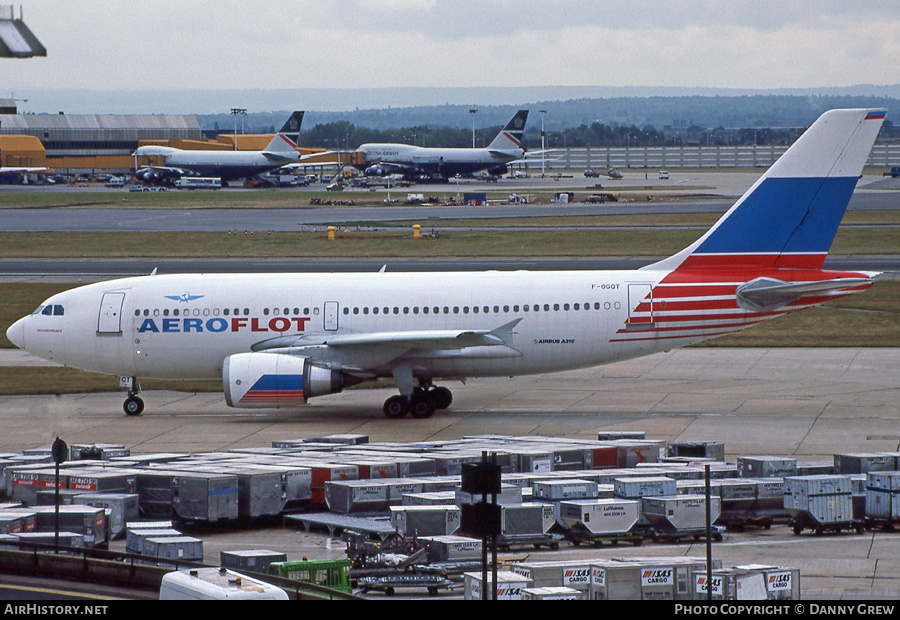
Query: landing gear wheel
396,407
441,397
421,406
133,406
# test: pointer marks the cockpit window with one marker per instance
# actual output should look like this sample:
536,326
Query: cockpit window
47,311
58,310
51,310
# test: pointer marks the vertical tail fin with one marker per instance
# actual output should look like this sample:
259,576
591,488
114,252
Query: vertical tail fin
510,137
288,136
789,217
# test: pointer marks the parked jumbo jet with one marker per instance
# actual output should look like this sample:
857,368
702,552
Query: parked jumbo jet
442,163
227,165
20,170
279,340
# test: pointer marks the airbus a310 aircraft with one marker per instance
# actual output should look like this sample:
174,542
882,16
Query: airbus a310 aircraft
440,164
227,165
278,340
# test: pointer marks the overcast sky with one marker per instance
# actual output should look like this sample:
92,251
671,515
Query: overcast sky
188,44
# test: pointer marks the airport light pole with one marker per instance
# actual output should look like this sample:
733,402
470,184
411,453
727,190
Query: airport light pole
235,112
543,148
473,112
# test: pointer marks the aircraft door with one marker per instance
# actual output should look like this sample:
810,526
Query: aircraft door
640,315
331,316
109,320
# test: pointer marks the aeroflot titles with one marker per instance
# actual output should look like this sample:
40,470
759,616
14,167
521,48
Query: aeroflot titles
217,325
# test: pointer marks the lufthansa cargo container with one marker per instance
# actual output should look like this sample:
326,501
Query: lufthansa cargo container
347,496
863,462
425,520
599,516
451,548
826,500
766,466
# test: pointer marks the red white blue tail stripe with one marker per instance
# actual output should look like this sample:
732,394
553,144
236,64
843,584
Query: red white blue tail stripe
778,233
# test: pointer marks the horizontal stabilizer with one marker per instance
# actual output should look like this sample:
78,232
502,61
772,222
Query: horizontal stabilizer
767,294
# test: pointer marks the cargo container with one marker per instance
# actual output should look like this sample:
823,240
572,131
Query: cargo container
182,548
85,520
882,506
567,573
586,519
645,486
566,488
509,586
14,521
97,452
713,450
425,520
346,496
632,452
135,537
120,509
333,574
645,578
751,582
552,594
864,462
680,513
192,496
451,548
766,466
820,503
251,560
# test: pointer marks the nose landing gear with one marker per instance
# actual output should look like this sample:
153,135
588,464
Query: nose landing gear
133,404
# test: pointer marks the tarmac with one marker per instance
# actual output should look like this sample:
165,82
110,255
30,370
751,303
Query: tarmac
804,403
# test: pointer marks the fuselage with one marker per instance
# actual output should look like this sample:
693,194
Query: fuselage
223,164
445,161
184,326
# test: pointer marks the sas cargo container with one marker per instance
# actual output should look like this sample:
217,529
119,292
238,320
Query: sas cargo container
653,578
552,594
566,573
752,582
509,586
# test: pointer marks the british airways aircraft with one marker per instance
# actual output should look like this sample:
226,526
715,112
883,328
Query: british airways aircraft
440,164
278,340
227,165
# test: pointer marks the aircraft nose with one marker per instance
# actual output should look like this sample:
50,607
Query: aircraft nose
16,333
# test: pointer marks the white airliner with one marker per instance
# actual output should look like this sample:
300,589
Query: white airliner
227,165
383,159
279,339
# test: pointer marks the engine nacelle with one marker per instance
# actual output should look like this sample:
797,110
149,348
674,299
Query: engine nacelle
376,171
278,380
499,170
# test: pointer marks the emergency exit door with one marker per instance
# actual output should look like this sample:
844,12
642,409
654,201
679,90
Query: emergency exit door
110,319
640,305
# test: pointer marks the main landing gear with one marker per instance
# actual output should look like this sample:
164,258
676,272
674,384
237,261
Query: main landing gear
422,403
133,404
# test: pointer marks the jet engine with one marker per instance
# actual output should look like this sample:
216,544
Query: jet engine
376,171
498,170
278,380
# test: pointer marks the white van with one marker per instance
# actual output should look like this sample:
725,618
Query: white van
664,174
216,584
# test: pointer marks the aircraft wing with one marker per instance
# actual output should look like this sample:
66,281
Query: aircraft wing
371,350
20,170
